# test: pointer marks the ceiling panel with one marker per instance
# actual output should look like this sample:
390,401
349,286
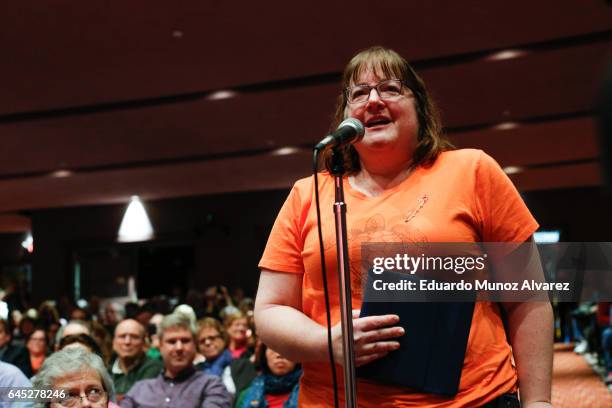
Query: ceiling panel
539,85
535,144
68,53
263,172
571,176
544,83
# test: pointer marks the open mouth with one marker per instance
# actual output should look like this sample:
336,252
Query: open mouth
377,122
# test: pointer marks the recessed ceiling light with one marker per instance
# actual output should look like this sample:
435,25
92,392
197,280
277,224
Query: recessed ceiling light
506,126
222,94
513,169
505,55
283,151
61,173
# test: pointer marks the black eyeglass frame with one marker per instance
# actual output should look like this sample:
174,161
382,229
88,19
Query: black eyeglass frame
103,394
347,90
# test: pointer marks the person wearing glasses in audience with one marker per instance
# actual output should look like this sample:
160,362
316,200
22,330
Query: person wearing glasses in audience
38,348
180,384
405,183
131,364
81,375
211,344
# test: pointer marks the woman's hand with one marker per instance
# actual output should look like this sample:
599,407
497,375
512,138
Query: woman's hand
373,338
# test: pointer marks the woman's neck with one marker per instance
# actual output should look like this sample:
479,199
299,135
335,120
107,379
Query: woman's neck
374,178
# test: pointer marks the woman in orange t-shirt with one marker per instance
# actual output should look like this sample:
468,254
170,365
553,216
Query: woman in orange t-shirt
404,184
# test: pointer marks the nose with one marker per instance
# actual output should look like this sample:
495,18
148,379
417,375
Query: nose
374,98
85,402
179,345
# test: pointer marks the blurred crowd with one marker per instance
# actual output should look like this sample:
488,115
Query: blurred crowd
196,351
591,328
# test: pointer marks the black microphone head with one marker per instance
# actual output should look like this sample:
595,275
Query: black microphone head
349,131
355,124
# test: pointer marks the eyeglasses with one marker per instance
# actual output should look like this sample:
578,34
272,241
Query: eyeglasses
93,395
388,89
209,338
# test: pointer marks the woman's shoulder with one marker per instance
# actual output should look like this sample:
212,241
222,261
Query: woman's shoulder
470,160
306,183
462,155
303,188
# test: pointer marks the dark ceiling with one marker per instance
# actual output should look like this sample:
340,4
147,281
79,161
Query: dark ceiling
103,100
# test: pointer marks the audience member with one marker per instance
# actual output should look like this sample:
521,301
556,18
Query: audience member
211,344
276,387
242,371
73,327
179,384
211,302
131,364
112,314
12,353
145,314
236,326
11,377
604,319
47,313
104,340
81,375
26,327
38,348
131,310
52,330
82,340
153,333
78,313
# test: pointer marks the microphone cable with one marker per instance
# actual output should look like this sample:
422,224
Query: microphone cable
315,160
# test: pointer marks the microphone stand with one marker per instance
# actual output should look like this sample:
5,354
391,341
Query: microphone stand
344,282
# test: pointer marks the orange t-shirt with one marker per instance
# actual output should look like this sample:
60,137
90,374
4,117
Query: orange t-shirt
463,197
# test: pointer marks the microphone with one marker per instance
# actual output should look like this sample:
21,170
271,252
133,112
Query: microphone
350,130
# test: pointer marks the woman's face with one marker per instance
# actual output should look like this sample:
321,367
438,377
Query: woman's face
83,389
390,124
210,343
237,331
278,364
37,343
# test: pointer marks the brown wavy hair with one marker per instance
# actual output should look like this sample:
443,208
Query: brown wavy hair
389,64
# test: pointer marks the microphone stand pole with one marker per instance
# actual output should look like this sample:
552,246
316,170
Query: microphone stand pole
344,282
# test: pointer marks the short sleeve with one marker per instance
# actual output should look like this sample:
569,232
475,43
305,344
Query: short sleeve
283,252
504,217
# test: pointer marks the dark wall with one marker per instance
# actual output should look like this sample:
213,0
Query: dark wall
228,233
582,214
11,250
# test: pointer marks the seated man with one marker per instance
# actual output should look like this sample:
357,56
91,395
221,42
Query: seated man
131,364
73,327
180,384
12,353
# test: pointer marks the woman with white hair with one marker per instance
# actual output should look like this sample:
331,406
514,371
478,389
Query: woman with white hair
81,375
